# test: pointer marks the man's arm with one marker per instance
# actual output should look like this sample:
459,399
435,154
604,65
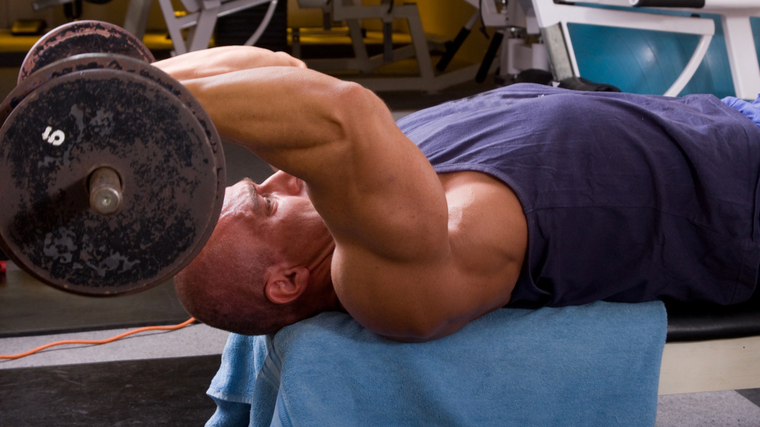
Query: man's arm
337,136
394,267
364,176
223,59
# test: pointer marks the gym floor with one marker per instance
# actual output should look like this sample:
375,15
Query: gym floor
160,378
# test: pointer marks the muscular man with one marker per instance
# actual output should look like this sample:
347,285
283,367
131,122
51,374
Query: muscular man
525,196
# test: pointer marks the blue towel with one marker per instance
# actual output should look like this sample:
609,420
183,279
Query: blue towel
751,110
591,365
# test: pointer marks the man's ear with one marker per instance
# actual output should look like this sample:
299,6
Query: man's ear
284,285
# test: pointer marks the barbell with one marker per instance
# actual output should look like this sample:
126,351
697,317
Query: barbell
112,175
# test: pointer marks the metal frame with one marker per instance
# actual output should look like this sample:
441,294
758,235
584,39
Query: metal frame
200,19
735,18
553,20
352,12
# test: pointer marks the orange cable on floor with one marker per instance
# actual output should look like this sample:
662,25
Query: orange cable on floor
98,342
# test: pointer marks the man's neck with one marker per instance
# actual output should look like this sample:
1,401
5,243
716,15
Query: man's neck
321,280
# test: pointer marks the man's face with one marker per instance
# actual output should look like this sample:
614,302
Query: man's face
276,213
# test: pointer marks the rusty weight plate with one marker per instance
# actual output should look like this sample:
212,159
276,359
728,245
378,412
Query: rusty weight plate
84,62
82,37
168,169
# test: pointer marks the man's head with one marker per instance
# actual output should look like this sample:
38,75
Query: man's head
266,265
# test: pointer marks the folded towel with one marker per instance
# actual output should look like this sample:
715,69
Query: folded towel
591,365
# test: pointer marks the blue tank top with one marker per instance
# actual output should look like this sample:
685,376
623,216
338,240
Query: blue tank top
627,197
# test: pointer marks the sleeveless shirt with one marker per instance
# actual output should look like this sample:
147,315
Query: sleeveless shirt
627,197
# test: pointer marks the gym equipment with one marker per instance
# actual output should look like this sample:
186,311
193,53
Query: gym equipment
191,23
353,12
653,59
694,28
111,174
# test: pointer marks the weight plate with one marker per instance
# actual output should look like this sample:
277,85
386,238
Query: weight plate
118,62
82,37
64,130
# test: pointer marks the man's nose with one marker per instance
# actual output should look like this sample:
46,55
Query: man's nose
282,182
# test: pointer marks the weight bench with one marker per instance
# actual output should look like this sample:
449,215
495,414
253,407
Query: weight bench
589,365
596,364
328,370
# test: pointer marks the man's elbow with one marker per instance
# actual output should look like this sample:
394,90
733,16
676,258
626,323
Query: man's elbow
359,107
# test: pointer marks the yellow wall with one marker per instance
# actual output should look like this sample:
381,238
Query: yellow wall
446,18
303,18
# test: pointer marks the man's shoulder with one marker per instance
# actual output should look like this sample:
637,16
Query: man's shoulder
440,290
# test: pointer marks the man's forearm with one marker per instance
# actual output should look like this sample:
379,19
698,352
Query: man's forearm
293,118
222,60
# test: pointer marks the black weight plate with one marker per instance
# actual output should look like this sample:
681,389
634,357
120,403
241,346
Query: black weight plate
82,37
118,62
133,125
